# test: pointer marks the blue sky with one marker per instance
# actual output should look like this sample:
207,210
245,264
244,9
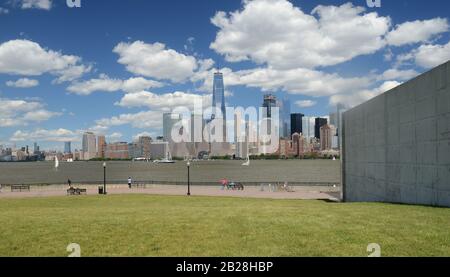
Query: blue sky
114,67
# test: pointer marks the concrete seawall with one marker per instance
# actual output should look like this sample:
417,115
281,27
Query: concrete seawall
397,145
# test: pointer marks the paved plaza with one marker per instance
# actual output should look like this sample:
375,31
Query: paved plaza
305,193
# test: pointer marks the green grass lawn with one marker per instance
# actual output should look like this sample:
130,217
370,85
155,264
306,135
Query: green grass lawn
144,225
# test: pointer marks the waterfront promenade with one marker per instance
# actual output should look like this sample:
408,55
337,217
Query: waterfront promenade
303,192
309,179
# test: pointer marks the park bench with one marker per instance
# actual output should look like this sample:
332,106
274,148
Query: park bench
76,191
20,188
235,186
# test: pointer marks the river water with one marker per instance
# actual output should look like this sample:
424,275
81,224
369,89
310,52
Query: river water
201,171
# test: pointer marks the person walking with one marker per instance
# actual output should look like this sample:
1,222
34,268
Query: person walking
129,182
69,182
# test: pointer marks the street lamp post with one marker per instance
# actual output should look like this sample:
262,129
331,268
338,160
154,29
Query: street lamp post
189,180
104,178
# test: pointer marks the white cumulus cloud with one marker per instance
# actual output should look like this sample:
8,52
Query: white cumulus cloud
155,61
35,4
21,112
114,136
305,103
294,81
276,33
165,102
23,83
396,74
428,55
105,83
417,31
353,99
55,135
28,58
144,119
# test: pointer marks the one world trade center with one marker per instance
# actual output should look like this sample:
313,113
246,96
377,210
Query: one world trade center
218,101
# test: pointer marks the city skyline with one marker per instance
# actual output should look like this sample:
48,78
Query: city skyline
119,81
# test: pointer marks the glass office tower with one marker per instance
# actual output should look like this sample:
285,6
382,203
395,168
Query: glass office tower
285,112
218,101
297,123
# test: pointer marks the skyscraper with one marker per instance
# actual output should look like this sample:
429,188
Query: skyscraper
308,127
196,129
101,146
169,121
336,120
269,103
218,101
298,144
89,146
241,136
172,123
319,123
297,123
327,132
67,147
285,118
144,143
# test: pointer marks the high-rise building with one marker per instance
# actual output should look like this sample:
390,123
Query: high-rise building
336,120
327,132
198,142
197,126
285,118
284,148
318,124
218,101
270,103
284,114
144,143
298,144
140,148
134,150
297,123
117,150
169,121
101,141
241,136
172,123
308,127
89,146
160,150
67,147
